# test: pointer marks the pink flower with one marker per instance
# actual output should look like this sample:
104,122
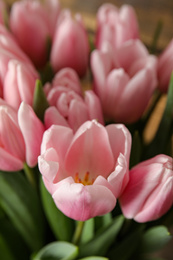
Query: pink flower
66,77
124,80
32,33
149,193
85,172
70,109
116,26
68,106
20,137
165,67
19,83
9,49
70,46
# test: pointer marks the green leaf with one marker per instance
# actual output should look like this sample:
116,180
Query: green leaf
56,251
103,221
125,248
40,103
5,252
88,231
103,239
94,258
20,202
154,239
62,226
12,245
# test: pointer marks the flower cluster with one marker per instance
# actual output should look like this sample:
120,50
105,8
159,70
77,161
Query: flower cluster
87,143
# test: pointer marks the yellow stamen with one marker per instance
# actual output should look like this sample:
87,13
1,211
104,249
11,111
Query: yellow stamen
85,180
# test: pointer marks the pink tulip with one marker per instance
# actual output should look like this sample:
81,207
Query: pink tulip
20,137
85,172
165,67
19,83
116,26
33,23
124,80
68,108
149,192
70,46
9,49
66,77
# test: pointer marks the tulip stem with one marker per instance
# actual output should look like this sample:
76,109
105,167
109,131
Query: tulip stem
78,232
30,175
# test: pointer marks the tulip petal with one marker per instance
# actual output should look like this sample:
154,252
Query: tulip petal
9,162
53,117
83,202
94,106
11,135
90,151
32,130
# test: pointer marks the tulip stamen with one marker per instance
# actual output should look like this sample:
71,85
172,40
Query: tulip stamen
85,181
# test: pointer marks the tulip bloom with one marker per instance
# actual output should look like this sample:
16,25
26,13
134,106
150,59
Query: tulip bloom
70,109
116,26
85,172
124,80
149,192
165,67
70,47
32,23
19,83
20,137
9,49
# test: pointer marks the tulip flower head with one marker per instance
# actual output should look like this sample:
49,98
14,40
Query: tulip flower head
124,80
20,137
149,192
87,171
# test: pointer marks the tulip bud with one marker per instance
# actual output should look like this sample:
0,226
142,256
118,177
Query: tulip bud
32,24
149,192
116,26
70,47
19,83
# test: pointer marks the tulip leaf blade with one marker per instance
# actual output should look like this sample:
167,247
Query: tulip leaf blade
124,249
154,239
23,208
103,239
12,245
61,225
57,250
40,103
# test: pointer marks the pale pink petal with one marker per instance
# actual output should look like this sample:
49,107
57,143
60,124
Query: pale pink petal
141,183
9,162
59,138
48,164
90,152
32,130
83,202
94,106
11,135
53,117
158,203
78,114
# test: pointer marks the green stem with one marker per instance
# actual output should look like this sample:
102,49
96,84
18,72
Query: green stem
78,232
30,174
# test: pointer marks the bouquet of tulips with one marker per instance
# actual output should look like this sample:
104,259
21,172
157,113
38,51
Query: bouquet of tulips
78,179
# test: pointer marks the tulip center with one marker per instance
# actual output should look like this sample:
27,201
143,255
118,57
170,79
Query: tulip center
86,179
